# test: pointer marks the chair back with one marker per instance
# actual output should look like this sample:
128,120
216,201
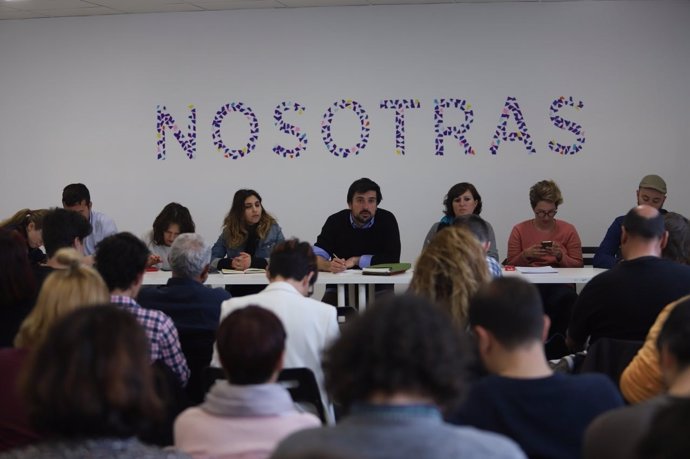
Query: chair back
610,356
588,252
197,347
301,383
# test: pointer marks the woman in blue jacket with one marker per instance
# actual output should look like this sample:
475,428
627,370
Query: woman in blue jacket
249,234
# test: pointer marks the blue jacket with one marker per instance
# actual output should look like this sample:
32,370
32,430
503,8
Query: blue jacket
190,304
263,250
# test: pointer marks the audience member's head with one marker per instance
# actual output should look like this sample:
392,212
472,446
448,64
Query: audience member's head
477,226
362,186
76,197
450,270
63,291
173,220
63,228
673,342
189,256
404,345
511,310
251,342
678,245
17,283
644,222
29,223
295,260
454,193
92,378
121,260
668,437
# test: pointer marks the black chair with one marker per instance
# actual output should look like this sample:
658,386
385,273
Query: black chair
300,382
345,314
175,400
588,252
210,375
610,356
197,347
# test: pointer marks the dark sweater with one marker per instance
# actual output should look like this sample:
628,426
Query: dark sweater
382,240
547,417
623,303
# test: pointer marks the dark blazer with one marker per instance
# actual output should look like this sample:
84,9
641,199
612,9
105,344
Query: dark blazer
190,304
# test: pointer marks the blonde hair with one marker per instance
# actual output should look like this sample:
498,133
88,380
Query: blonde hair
450,270
63,291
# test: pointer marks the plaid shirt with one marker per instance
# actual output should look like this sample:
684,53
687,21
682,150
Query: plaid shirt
162,334
494,267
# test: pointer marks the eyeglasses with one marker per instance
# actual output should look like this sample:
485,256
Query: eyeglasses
543,213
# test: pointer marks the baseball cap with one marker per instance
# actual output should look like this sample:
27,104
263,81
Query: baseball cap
654,182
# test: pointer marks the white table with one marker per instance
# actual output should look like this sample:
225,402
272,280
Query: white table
341,280
365,283
563,276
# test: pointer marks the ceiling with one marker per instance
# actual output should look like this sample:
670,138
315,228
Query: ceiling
26,9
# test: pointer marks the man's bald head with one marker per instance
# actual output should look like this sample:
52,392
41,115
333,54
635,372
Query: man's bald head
645,222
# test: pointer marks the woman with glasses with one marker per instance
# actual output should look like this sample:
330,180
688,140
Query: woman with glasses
546,241
543,240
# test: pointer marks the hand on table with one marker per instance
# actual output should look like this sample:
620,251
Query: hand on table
337,265
153,260
242,261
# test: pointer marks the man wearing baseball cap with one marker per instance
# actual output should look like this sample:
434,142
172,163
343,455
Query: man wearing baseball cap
651,192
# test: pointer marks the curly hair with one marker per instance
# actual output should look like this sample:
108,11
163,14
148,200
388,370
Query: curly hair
450,270
234,229
458,190
403,344
172,213
63,291
546,190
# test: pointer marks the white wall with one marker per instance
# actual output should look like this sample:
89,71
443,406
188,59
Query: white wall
78,100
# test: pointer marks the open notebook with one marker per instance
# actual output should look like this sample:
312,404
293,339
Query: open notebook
246,271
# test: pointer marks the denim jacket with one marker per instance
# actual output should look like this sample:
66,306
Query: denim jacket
263,250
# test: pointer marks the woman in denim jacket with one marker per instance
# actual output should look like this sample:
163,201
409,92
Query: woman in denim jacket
249,234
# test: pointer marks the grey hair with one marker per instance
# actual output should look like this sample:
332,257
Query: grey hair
189,255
